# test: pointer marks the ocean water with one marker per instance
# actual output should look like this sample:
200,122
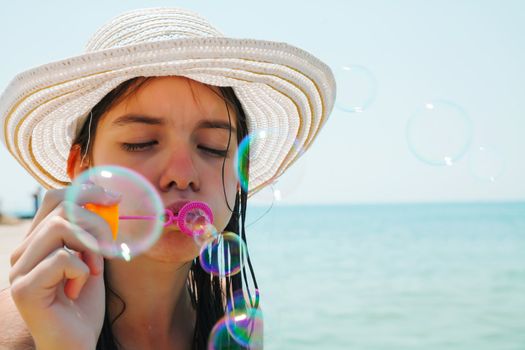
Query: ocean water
388,277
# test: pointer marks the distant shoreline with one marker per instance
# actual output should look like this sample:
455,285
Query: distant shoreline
7,219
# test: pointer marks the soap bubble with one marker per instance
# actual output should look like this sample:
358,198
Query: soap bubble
439,133
242,325
356,88
224,255
245,322
486,163
129,225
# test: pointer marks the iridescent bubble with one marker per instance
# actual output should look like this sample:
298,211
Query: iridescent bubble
224,255
208,234
356,88
250,148
220,338
241,162
262,203
245,321
486,163
439,133
289,184
194,218
126,227
298,148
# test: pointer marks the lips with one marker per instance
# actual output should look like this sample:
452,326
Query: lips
176,206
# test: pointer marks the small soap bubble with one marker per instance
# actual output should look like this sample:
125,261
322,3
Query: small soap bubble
439,133
249,149
224,255
485,163
220,338
193,219
262,203
127,225
206,235
252,146
244,321
242,327
196,221
286,186
356,88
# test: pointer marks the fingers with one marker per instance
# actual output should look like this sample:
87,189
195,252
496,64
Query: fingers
54,204
90,193
57,232
86,193
41,282
58,250
50,201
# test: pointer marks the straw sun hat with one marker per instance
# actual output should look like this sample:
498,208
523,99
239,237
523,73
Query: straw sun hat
281,88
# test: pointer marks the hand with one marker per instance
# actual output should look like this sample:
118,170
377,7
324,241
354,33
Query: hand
56,280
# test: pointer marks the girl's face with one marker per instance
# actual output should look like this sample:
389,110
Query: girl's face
174,131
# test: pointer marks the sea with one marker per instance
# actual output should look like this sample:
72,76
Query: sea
391,277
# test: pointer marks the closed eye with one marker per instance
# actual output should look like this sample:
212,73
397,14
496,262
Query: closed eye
214,152
137,147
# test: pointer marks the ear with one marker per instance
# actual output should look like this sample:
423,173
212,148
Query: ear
74,162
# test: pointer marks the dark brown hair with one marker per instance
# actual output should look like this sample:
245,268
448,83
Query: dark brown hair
206,293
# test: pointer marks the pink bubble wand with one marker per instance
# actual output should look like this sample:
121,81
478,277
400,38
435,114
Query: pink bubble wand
190,213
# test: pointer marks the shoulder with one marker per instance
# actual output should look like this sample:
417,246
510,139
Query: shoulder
14,334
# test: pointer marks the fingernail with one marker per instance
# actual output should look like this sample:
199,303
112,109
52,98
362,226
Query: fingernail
111,194
86,186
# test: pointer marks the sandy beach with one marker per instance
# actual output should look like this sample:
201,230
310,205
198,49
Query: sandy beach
10,237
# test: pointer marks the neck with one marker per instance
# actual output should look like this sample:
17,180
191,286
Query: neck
158,311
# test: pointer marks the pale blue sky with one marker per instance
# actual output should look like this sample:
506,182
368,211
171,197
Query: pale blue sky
469,53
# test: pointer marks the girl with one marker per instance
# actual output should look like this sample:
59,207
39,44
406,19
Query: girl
160,91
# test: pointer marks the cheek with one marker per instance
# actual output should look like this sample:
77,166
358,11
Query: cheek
107,156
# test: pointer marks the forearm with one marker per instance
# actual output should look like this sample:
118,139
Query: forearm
14,334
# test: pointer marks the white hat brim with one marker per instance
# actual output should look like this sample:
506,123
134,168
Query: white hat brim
280,87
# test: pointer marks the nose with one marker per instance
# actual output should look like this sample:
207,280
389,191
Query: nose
179,171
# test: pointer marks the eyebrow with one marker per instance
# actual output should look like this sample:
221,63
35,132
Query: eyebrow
149,120
137,119
216,124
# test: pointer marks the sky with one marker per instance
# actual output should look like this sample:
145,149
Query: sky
429,99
